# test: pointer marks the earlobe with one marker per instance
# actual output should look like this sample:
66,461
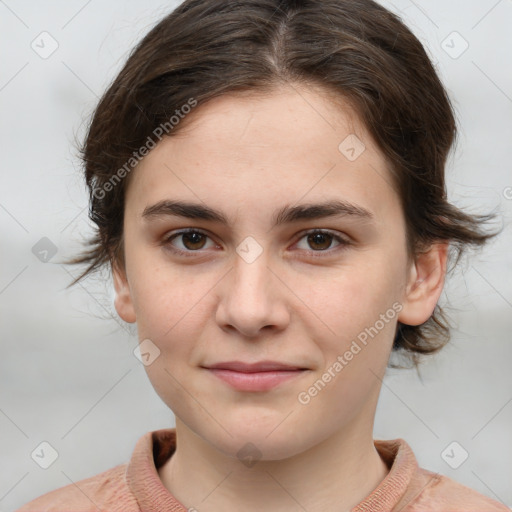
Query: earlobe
425,284
123,300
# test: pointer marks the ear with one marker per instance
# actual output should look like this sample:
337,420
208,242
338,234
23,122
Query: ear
424,285
123,300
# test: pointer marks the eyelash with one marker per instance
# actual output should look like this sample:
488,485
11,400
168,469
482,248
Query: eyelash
344,243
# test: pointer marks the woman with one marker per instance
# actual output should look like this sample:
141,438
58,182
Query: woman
267,182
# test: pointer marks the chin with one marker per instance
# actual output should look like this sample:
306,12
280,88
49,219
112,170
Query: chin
252,443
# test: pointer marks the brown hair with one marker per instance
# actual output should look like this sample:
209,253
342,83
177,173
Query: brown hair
354,48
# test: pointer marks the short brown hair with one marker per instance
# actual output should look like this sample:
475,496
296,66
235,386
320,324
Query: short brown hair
354,48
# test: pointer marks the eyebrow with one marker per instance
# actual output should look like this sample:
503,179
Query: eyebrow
286,215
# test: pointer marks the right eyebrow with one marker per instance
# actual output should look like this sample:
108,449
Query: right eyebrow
184,209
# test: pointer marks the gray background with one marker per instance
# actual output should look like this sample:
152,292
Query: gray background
68,374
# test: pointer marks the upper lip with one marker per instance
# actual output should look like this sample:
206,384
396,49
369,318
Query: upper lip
261,366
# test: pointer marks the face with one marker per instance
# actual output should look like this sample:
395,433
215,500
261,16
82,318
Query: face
267,276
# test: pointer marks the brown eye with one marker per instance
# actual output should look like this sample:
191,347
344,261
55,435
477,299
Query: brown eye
193,240
320,241
187,242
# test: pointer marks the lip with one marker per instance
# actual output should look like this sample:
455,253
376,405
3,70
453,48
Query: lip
260,376
260,366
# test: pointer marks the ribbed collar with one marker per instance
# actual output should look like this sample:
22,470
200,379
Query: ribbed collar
153,449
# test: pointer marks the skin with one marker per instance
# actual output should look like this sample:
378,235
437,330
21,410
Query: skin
249,155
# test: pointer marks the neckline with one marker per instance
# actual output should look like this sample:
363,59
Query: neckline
154,448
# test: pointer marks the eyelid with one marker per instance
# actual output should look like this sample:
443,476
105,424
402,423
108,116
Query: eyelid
166,242
335,234
343,241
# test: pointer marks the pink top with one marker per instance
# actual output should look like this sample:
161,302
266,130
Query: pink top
136,486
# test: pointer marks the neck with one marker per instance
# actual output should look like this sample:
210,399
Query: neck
334,475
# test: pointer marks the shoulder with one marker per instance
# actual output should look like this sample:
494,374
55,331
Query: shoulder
410,488
105,491
442,493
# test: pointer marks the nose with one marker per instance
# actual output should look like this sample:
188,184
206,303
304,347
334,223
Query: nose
252,299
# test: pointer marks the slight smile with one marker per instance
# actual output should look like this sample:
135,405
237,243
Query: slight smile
260,376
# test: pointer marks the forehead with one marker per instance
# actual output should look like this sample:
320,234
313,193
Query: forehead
295,113
260,150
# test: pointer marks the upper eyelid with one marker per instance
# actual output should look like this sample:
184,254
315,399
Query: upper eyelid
342,238
185,231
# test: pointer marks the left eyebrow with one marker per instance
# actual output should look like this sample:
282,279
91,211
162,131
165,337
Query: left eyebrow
286,215
333,208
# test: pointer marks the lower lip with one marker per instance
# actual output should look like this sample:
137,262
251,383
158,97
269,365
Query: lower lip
257,381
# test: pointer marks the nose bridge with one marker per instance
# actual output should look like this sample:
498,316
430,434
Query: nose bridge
251,261
251,276
250,298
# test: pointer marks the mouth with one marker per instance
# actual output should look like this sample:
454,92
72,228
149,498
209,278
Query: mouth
260,376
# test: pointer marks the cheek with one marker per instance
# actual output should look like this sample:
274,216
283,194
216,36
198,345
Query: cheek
362,313
171,313
165,296
360,306
355,297
170,310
